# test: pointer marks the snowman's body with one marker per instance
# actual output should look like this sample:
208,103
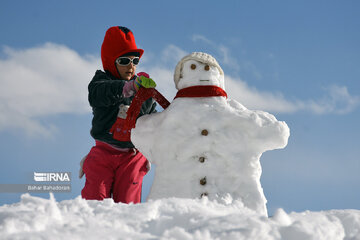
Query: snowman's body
209,146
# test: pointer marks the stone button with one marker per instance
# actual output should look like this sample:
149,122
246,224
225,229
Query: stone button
204,132
203,181
201,159
205,194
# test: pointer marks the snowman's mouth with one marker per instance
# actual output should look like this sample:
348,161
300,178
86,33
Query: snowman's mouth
204,80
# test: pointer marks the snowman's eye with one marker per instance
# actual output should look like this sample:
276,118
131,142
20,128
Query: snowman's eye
193,66
207,68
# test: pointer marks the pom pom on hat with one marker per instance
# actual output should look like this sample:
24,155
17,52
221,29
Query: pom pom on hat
197,56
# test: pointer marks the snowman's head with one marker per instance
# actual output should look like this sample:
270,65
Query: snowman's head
198,69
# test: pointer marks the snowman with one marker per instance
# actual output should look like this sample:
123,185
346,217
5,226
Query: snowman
205,144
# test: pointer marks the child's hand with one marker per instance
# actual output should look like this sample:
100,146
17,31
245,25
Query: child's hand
144,80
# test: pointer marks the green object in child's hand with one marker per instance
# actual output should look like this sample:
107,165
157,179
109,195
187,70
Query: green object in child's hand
145,82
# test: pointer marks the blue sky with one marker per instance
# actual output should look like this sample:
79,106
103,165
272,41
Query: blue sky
298,60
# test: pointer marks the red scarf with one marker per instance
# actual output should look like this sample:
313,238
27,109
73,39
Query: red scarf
141,96
201,91
122,127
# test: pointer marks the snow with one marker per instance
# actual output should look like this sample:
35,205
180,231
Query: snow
231,150
168,218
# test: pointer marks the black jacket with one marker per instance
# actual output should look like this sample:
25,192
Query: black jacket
105,97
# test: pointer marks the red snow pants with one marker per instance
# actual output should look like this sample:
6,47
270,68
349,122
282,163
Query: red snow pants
113,173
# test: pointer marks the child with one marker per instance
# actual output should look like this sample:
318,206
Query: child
114,167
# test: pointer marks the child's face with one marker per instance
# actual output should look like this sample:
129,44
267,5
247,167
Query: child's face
128,71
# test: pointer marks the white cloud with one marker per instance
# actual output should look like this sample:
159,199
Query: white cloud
42,81
198,37
172,54
223,51
52,79
335,100
255,99
338,100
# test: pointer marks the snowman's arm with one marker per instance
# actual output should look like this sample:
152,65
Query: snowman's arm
264,130
273,134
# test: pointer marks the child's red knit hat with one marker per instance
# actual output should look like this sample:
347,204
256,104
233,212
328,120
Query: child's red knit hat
118,41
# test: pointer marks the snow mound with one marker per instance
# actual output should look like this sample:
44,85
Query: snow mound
172,218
